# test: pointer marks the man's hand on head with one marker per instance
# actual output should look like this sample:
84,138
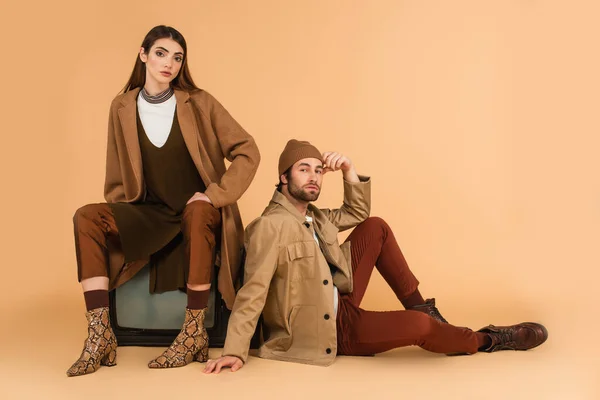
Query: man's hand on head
334,161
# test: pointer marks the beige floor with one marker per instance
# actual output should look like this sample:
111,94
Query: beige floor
33,364
478,121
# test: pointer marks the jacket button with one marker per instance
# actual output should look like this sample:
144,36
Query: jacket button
328,351
326,316
325,282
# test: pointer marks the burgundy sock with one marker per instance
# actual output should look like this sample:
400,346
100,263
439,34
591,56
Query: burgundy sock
413,299
197,299
95,299
483,340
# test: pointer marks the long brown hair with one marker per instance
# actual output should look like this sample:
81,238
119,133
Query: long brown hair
182,81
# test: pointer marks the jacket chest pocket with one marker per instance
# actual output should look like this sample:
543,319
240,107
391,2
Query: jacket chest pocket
300,260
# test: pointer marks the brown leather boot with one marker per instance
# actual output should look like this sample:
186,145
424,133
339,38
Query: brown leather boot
190,345
100,347
430,309
523,336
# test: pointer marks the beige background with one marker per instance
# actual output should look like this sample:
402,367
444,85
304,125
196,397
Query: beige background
477,121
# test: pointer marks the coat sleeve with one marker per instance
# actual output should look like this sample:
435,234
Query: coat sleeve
261,263
240,149
356,206
113,182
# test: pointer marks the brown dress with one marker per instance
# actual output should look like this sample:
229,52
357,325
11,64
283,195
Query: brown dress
151,229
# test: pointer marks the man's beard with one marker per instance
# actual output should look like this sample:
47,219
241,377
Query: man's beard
300,194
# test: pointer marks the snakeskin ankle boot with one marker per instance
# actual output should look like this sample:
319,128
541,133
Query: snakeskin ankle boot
100,347
190,345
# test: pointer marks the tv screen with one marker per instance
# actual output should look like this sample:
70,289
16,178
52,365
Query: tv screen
137,308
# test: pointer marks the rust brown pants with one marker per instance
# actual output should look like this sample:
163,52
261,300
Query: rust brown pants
95,226
363,332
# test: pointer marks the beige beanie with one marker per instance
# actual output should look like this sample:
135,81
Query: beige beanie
296,150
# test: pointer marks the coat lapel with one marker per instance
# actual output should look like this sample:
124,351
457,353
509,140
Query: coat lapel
190,133
187,123
127,117
329,232
324,227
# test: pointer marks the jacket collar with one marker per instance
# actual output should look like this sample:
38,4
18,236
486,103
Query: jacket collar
311,211
280,199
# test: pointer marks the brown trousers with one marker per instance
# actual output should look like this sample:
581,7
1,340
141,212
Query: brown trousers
363,332
95,226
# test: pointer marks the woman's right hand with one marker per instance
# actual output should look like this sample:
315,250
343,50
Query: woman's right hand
198,197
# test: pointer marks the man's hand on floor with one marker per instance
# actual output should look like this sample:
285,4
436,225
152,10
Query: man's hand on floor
227,361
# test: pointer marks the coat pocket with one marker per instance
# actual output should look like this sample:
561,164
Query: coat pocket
301,260
303,342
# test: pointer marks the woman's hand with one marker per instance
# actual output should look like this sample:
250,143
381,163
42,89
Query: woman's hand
198,197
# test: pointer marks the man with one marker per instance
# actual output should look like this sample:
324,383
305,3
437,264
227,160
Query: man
309,288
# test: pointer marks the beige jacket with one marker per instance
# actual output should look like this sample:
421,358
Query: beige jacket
288,279
211,136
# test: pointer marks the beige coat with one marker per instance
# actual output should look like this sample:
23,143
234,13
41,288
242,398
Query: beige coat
288,279
211,135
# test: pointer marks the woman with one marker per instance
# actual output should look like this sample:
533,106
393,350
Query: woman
170,201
